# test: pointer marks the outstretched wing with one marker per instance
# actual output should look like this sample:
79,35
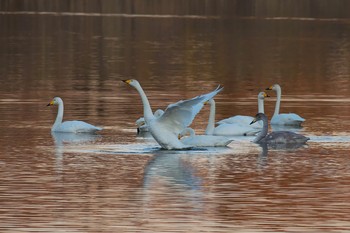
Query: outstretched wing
180,115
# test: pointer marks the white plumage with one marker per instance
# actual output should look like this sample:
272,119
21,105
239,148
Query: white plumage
176,117
283,118
69,126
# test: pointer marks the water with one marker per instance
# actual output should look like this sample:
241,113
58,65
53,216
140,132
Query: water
120,182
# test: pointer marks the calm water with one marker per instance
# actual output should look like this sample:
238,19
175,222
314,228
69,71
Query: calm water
120,182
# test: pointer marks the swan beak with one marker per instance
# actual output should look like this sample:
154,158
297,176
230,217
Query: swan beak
269,88
51,103
179,136
128,81
253,121
206,102
266,95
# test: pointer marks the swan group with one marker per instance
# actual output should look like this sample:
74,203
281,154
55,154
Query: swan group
176,117
170,127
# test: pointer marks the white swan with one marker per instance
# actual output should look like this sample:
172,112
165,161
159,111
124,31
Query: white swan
176,117
276,137
283,118
202,140
69,126
245,120
225,129
141,123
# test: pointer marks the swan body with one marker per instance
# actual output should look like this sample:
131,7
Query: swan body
245,120
283,118
176,117
226,129
203,140
276,137
69,126
141,123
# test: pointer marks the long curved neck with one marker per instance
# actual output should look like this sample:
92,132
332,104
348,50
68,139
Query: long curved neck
211,121
264,130
147,111
261,105
278,101
59,116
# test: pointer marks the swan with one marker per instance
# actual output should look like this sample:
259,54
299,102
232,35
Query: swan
141,124
245,120
202,140
283,118
225,129
276,137
69,126
176,117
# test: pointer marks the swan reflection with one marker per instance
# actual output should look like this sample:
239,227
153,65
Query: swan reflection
62,139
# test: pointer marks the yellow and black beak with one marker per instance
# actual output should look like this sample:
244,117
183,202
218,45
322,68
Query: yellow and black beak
128,81
51,103
266,95
269,88
206,102
179,136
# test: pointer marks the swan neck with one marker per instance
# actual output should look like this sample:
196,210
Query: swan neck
211,120
278,101
147,111
59,117
261,105
264,130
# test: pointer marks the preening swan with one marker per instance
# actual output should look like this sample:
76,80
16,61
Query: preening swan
225,129
69,126
245,120
276,137
176,117
283,118
202,140
141,123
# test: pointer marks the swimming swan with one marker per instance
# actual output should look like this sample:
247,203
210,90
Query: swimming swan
225,129
245,120
202,140
176,117
283,118
276,137
69,126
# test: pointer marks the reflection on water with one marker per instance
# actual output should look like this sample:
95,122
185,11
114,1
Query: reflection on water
122,182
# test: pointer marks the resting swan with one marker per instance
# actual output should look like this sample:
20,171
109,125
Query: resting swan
176,117
69,126
141,124
245,120
276,137
225,129
283,118
202,140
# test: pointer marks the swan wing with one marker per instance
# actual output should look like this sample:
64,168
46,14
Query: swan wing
77,127
180,115
236,119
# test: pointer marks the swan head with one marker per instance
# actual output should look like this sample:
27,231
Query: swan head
158,113
210,102
262,95
259,116
55,101
274,87
132,82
